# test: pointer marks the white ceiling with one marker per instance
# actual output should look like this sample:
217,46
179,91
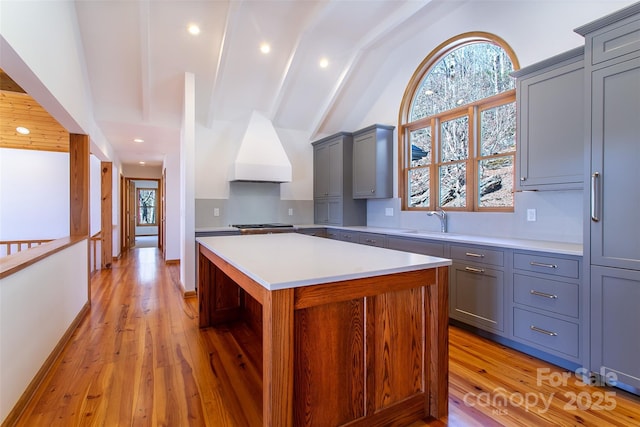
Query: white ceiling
137,53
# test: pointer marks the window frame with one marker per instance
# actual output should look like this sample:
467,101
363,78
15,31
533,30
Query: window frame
154,208
472,110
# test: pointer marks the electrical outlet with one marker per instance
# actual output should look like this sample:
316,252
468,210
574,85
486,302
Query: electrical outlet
388,211
216,211
290,211
531,214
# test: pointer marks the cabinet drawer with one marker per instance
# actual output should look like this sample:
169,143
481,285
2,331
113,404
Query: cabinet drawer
477,297
417,246
476,254
547,264
616,42
333,234
548,332
545,294
347,236
371,239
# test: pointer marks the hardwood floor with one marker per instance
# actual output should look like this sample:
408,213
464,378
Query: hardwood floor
139,359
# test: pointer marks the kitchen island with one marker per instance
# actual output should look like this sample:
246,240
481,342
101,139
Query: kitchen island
351,334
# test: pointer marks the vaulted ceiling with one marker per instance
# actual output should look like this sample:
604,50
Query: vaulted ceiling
137,53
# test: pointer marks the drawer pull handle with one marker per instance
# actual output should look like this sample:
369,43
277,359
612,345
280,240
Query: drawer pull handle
543,294
542,331
541,264
475,270
474,255
370,241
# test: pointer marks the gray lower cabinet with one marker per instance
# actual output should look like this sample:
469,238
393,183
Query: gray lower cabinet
315,231
344,235
373,162
615,322
372,239
418,246
477,287
550,108
332,182
548,304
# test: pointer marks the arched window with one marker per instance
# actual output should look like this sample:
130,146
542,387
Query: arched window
457,127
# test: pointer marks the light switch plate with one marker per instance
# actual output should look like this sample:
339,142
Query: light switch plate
290,211
388,211
531,215
216,211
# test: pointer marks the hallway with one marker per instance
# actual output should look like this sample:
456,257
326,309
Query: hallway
139,359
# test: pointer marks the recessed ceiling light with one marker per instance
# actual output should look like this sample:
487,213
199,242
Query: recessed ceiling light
193,29
428,92
265,48
138,140
460,101
142,163
23,130
324,63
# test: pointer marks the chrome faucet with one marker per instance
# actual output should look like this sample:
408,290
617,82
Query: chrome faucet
442,215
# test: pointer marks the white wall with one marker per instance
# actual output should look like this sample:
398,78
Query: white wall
37,305
34,194
172,205
95,195
187,186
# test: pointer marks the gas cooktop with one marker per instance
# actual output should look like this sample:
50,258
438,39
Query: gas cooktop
268,225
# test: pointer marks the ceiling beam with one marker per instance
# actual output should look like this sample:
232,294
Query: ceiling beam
377,34
312,20
230,26
143,9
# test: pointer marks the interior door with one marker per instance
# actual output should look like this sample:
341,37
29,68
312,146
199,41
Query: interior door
131,214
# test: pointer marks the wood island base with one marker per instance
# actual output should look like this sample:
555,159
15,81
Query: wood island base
364,352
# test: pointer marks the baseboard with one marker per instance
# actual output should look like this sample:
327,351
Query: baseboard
37,380
189,294
172,261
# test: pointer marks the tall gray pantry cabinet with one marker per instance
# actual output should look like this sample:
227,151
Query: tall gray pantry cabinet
612,229
333,201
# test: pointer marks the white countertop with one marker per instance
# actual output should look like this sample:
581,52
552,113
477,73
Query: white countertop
288,260
562,248
503,242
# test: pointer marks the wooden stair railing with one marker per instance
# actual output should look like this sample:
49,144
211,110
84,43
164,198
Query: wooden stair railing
93,241
18,245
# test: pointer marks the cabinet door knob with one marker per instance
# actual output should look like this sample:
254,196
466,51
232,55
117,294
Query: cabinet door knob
523,178
373,191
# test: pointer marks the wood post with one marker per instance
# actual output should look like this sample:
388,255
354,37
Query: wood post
79,185
106,190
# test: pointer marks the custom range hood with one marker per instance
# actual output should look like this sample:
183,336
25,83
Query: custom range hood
261,156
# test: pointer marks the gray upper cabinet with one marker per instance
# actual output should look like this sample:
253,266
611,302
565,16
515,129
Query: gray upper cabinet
550,104
373,162
332,182
615,156
612,234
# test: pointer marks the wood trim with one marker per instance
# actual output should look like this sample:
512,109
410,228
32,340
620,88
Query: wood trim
309,296
106,207
13,263
438,356
172,262
79,185
277,369
47,366
403,117
256,290
189,294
